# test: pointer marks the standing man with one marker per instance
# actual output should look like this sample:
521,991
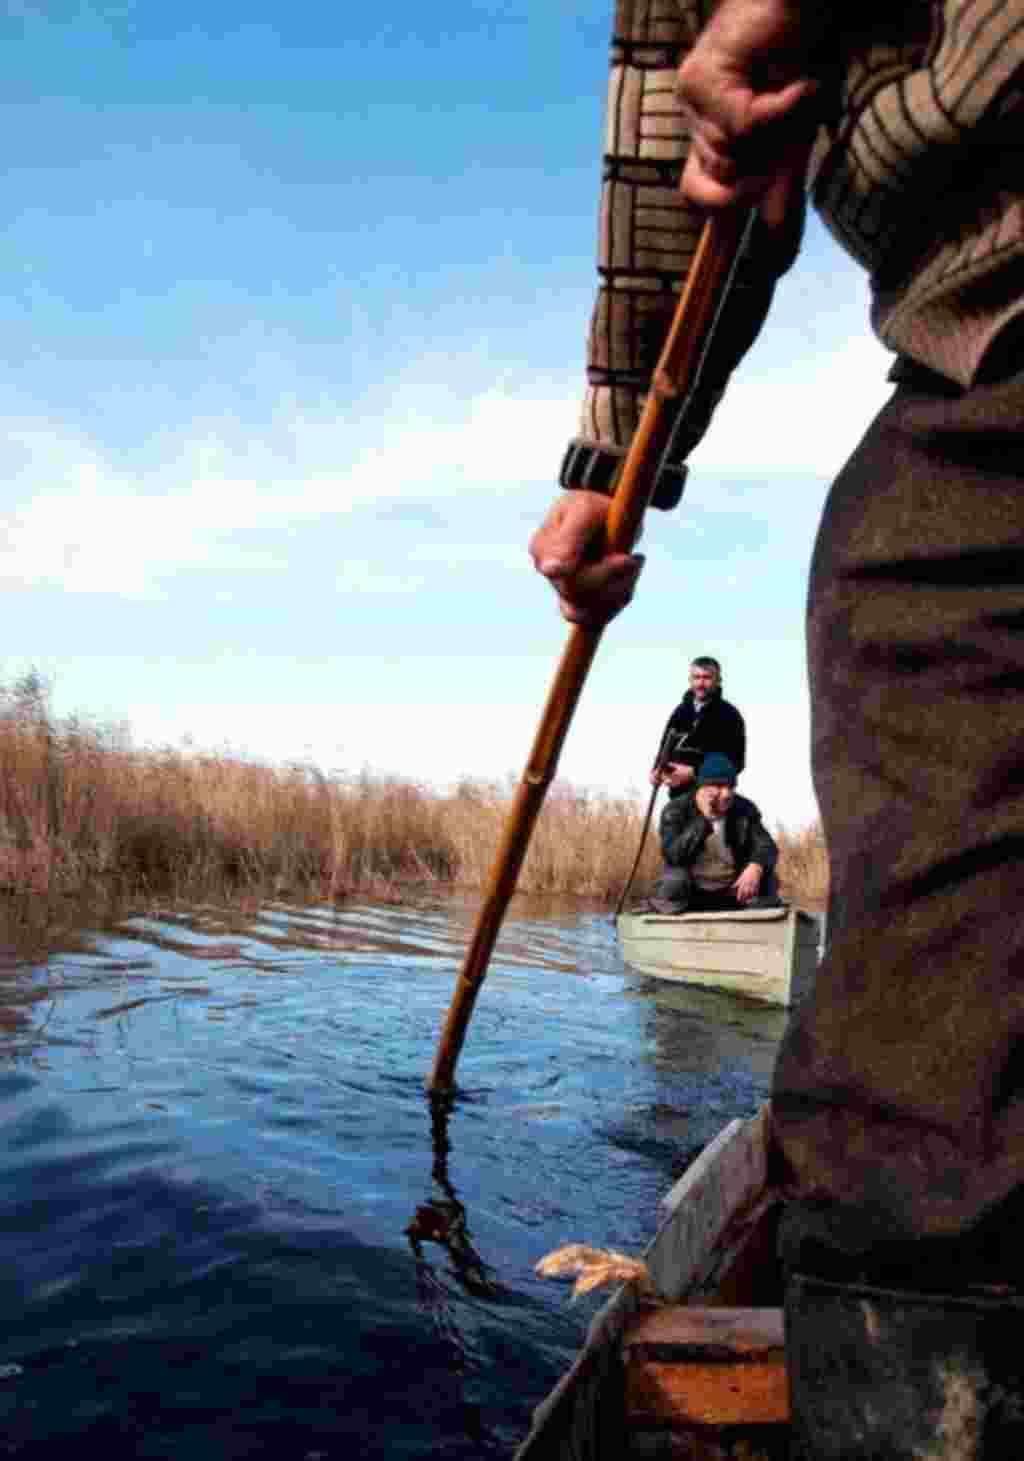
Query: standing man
898,1095
701,722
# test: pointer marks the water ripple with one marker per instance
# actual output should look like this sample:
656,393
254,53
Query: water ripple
233,1225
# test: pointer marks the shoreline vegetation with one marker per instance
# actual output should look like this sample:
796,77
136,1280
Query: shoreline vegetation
85,815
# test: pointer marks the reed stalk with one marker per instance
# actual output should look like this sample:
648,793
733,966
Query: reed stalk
83,813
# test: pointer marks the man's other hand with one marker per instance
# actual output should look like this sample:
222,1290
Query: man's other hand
678,774
748,883
569,549
753,106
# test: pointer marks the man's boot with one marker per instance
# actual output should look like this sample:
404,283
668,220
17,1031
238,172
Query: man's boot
672,892
901,1375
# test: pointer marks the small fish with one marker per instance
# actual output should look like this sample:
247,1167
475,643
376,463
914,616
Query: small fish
594,1267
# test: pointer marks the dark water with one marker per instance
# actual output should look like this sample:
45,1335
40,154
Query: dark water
216,1138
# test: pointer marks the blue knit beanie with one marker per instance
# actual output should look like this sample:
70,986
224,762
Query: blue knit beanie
716,769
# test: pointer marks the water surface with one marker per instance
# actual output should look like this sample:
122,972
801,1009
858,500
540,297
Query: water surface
231,1224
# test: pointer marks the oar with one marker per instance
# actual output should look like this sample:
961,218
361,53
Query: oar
659,762
669,748
675,375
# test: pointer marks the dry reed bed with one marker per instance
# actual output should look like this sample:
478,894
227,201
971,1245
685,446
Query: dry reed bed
83,813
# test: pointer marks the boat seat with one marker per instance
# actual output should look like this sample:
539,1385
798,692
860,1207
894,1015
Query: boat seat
691,1374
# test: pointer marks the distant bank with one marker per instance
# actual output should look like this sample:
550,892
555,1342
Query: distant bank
84,813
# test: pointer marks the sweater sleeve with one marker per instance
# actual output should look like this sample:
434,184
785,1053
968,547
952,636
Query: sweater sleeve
648,236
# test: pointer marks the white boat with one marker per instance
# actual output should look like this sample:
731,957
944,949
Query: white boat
766,954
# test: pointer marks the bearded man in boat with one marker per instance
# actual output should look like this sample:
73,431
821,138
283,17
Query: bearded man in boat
719,856
702,721
898,1094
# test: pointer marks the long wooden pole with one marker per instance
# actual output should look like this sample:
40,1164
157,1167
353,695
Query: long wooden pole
659,762
675,375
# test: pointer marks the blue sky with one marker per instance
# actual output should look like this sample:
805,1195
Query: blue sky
290,347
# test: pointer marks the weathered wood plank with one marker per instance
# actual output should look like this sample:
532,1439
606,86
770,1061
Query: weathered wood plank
701,1213
693,1394
742,957
742,1330
710,928
706,1367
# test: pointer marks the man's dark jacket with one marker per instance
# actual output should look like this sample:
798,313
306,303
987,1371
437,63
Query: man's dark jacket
719,727
684,829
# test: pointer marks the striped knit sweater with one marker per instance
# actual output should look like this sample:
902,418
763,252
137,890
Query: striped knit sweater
918,171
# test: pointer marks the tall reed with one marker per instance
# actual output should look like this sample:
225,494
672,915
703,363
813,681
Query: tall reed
82,811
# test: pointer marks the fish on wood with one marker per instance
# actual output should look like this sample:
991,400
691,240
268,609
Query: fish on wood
593,1267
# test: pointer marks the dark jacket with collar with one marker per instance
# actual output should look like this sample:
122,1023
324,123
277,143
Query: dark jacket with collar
719,727
684,829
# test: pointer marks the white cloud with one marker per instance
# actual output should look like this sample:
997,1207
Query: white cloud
85,520
93,533
88,520
501,437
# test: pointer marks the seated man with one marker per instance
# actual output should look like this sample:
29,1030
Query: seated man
719,856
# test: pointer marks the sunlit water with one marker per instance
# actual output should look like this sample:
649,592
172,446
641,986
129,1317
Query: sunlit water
216,1142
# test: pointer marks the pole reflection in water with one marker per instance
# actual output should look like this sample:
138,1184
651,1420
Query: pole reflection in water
442,1220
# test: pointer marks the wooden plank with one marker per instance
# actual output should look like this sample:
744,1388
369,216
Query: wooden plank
689,1367
744,1331
699,1214
767,926
757,960
718,931
789,955
754,1392
737,915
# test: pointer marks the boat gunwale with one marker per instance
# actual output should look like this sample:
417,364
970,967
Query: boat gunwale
714,1246
723,915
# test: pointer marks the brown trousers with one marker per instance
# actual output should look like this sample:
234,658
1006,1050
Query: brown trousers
899,1091
898,1095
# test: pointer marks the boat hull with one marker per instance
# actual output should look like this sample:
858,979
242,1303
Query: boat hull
700,1372
764,954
